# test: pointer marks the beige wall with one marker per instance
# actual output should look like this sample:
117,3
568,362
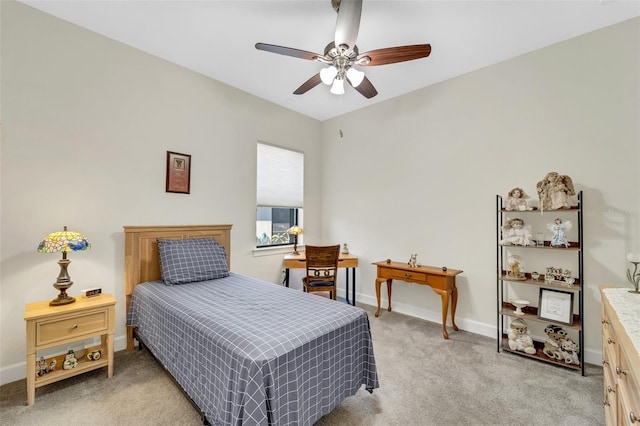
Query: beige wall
86,123
431,163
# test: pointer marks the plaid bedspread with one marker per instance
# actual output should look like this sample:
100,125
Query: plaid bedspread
249,352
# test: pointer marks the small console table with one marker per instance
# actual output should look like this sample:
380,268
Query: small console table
441,280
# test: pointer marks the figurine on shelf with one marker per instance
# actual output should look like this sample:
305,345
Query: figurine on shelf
515,233
559,237
516,271
554,191
94,355
413,261
53,364
569,350
41,367
70,360
345,249
519,339
516,200
555,336
558,274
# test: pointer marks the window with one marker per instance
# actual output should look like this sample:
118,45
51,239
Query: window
280,183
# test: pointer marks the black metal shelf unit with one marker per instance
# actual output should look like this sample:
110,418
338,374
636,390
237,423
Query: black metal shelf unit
504,310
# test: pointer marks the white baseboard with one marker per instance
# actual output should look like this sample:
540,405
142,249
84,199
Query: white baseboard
14,372
488,330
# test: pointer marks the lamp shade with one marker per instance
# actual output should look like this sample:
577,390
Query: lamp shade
328,74
338,87
295,230
355,76
63,242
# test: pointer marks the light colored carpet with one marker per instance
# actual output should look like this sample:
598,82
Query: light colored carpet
424,380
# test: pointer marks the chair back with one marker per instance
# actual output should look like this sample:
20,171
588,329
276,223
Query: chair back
322,262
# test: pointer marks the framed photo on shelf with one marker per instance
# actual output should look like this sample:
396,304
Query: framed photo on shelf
178,172
556,305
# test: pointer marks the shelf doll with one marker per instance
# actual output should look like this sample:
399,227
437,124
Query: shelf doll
519,339
554,191
517,200
559,237
516,234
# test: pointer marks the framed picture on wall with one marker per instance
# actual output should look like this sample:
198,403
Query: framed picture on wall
556,306
178,172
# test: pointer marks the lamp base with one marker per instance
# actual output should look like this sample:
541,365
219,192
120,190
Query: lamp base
63,283
62,299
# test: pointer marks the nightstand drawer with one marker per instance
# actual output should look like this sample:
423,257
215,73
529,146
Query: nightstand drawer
71,326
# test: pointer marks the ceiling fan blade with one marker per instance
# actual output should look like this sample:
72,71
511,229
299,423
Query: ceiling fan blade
365,88
287,51
308,85
391,55
348,23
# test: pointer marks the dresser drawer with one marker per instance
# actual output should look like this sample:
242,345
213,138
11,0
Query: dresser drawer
629,388
627,413
72,326
609,351
610,397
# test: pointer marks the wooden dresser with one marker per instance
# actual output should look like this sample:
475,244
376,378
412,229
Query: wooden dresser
621,355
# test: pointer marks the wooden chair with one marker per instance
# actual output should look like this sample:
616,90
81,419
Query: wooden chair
322,268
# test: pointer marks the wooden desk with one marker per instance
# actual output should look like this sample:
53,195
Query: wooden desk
442,282
347,261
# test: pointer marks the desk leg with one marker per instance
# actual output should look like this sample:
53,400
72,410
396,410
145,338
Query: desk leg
353,285
286,277
346,293
378,282
454,303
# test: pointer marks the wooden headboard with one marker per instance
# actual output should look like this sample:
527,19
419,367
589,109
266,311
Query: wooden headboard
142,260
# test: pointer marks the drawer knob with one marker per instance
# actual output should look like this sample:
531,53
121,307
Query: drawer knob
633,418
407,275
620,371
74,326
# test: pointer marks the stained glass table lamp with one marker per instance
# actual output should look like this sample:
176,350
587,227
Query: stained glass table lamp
63,241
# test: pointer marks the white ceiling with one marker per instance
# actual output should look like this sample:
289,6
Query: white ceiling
216,38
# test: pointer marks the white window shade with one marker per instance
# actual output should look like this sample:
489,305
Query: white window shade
280,177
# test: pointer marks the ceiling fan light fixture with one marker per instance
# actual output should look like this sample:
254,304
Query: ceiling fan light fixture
328,74
355,76
342,54
338,87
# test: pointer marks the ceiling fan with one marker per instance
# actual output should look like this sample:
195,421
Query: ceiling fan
341,55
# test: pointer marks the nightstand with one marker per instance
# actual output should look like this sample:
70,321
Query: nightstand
50,326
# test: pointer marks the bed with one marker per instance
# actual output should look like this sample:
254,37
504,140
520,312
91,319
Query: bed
245,351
